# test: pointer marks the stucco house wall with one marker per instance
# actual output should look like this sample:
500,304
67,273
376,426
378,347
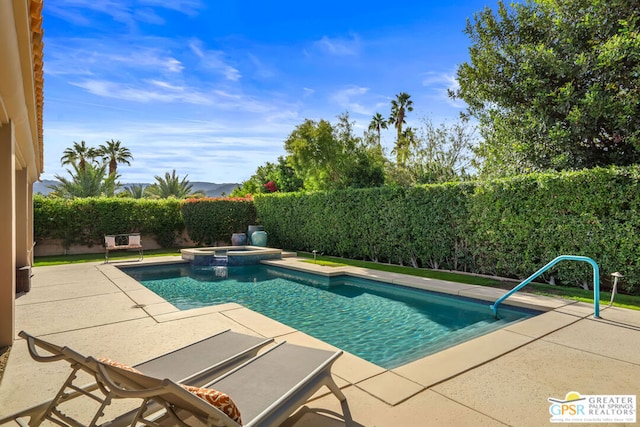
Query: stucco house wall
21,144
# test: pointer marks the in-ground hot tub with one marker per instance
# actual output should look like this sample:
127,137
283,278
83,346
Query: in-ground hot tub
230,255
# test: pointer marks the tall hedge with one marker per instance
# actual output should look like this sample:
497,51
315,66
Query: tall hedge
508,227
85,221
209,221
416,226
517,225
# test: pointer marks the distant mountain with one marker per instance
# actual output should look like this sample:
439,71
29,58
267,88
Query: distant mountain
214,190
42,187
210,189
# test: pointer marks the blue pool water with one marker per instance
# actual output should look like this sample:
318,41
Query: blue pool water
385,324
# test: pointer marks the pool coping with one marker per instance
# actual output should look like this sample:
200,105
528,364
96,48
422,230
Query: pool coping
393,386
79,306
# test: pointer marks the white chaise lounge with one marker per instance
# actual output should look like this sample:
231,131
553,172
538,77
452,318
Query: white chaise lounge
264,391
114,242
194,365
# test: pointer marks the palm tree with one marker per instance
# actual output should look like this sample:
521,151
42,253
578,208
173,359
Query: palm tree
79,154
113,153
172,186
377,124
404,145
136,191
399,107
90,182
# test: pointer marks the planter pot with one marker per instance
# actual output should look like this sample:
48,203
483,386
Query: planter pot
238,239
23,279
259,238
252,229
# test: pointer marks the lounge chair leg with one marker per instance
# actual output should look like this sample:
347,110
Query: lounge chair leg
106,402
141,414
36,420
331,384
139,417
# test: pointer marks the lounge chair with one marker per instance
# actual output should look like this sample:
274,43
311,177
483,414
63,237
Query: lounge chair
114,242
193,365
266,390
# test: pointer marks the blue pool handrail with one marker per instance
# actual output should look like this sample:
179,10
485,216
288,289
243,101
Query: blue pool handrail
596,282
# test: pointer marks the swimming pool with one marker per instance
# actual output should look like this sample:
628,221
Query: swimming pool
385,324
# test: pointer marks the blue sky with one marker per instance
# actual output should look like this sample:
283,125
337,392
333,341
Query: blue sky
213,88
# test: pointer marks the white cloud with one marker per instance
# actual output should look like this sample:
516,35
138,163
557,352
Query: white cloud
349,99
128,13
338,46
72,10
215,151
213,60
237,101
187,7
166,85
261,69
283,117
439,84
74,56
149,16
153,59
440,79
155,91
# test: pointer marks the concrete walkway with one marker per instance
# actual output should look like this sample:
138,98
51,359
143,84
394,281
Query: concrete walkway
503,378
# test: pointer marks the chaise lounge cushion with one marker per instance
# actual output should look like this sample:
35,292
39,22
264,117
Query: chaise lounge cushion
134,241
110,241
214,397
218,399
118,365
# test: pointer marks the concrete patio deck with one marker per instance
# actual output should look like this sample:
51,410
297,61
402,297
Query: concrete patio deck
503,378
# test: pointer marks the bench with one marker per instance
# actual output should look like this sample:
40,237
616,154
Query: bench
114,242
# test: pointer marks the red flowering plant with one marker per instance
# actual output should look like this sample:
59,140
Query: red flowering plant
270,187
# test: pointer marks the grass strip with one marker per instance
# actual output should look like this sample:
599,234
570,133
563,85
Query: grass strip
113,256
577,294
325,263
572,293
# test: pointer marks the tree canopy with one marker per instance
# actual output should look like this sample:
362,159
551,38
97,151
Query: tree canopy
113,153
554,84
330,156
92,181
78,154
404,140
172,186
89,177
327,156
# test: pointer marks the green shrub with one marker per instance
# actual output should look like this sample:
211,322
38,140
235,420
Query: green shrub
518,225
85,221
161,218
508,227
209,221
382,224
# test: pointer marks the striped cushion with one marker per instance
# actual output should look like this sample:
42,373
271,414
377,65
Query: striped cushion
118,365
110,241
217,399
134,241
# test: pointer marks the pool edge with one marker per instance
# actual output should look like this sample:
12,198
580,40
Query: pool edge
366,375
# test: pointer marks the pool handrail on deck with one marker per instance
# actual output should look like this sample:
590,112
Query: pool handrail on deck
596,282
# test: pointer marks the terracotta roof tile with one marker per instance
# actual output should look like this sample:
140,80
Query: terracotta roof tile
35,12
